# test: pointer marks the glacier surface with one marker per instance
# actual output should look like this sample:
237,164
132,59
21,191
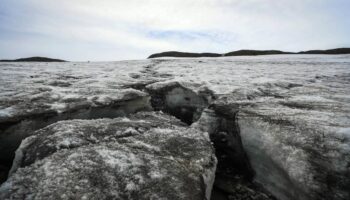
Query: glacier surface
288,114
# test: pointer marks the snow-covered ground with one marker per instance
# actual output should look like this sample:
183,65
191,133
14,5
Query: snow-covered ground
24,86
292,110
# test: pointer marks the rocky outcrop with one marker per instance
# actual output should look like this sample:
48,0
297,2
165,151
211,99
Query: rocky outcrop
145,156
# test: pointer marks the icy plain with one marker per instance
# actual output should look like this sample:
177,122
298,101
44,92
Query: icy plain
291,112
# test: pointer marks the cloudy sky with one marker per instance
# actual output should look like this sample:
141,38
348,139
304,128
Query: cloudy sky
132,29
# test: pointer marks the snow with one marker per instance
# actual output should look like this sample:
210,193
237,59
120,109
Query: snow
131,130
141,144
124,162
155,175
68,142
20,153
6,112
131,186
209,178
60,107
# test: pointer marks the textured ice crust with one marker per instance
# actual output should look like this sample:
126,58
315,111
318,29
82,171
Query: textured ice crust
296,156
293,110
149,156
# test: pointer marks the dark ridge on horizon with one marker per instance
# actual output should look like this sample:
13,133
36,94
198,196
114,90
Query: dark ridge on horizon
183,54
34,59
247,52
328,51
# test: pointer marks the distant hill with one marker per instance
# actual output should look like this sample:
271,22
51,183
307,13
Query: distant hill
255,52
248,53
329,51
183,54
34,59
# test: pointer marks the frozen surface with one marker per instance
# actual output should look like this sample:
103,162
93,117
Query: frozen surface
148,156
32,88
292,110
27,87
293,115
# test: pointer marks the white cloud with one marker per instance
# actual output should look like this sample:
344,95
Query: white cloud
211,25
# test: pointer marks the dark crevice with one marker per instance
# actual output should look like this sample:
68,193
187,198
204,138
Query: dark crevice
233,167
184,113
229,149
234,174
219,194
180,102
